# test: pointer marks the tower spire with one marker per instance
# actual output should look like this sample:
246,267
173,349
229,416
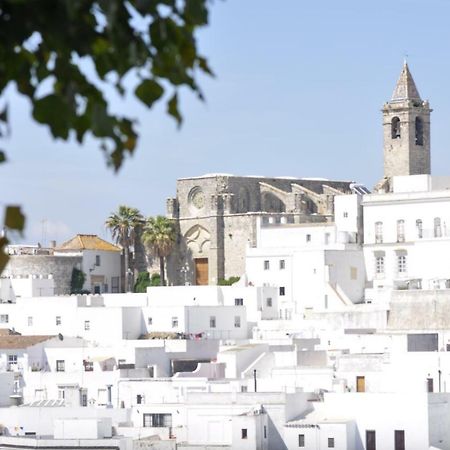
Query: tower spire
406,88
406,124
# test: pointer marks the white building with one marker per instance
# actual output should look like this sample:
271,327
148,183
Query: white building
101,262
313,265
12,287
407,236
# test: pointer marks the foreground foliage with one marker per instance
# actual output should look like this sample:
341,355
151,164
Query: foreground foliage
62,54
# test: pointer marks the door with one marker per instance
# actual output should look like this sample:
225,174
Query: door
370,440
360,384
399,439
201,271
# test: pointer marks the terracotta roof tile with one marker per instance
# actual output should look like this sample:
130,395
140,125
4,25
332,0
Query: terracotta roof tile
88,242
17,341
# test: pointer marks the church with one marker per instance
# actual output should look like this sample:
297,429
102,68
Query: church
217,214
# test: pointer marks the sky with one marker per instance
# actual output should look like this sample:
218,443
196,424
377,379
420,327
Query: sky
298,91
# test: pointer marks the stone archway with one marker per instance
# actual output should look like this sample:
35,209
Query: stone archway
198,241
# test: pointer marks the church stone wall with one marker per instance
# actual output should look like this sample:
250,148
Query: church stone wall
217,214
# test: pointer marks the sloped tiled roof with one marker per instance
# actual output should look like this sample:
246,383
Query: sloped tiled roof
8,332
88,242
18,341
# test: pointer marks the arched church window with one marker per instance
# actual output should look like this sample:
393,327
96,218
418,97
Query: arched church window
395,128
419,131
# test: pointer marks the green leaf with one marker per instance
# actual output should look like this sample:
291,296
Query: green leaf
148,92
55,112
4,115
3,256
102,124
203,64
172,109
14,219
196,12
2,156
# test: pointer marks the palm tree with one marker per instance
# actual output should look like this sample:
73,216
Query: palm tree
160,236
122,225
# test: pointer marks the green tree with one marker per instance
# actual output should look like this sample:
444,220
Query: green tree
160,235
77,281
46,46
142,282
122,225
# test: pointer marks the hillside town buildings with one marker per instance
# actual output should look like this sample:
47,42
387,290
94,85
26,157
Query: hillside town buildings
337,334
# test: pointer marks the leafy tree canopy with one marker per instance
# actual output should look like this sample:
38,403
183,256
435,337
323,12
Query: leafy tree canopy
43,44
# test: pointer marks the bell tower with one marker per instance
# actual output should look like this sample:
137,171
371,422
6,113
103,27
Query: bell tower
406,128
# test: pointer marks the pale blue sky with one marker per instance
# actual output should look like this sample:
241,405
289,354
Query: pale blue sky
298,92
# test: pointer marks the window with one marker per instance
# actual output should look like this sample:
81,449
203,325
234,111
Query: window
174,322
282,290
419,131
379,265
269,302
97,260
282,264
395,128
58,320
330,442
265,432
61,394
149,321
400,231
308,238
60,365
87,325
212,322
244,389
371,440
399,439
345,214
237,321
88,366
419,228
157,420
114,285
238,302
437,227
401,263
430,385
102,397
4,318
353,273
12,362
266,265
301,440
83,397
139,399
378,232
244,433
30,321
